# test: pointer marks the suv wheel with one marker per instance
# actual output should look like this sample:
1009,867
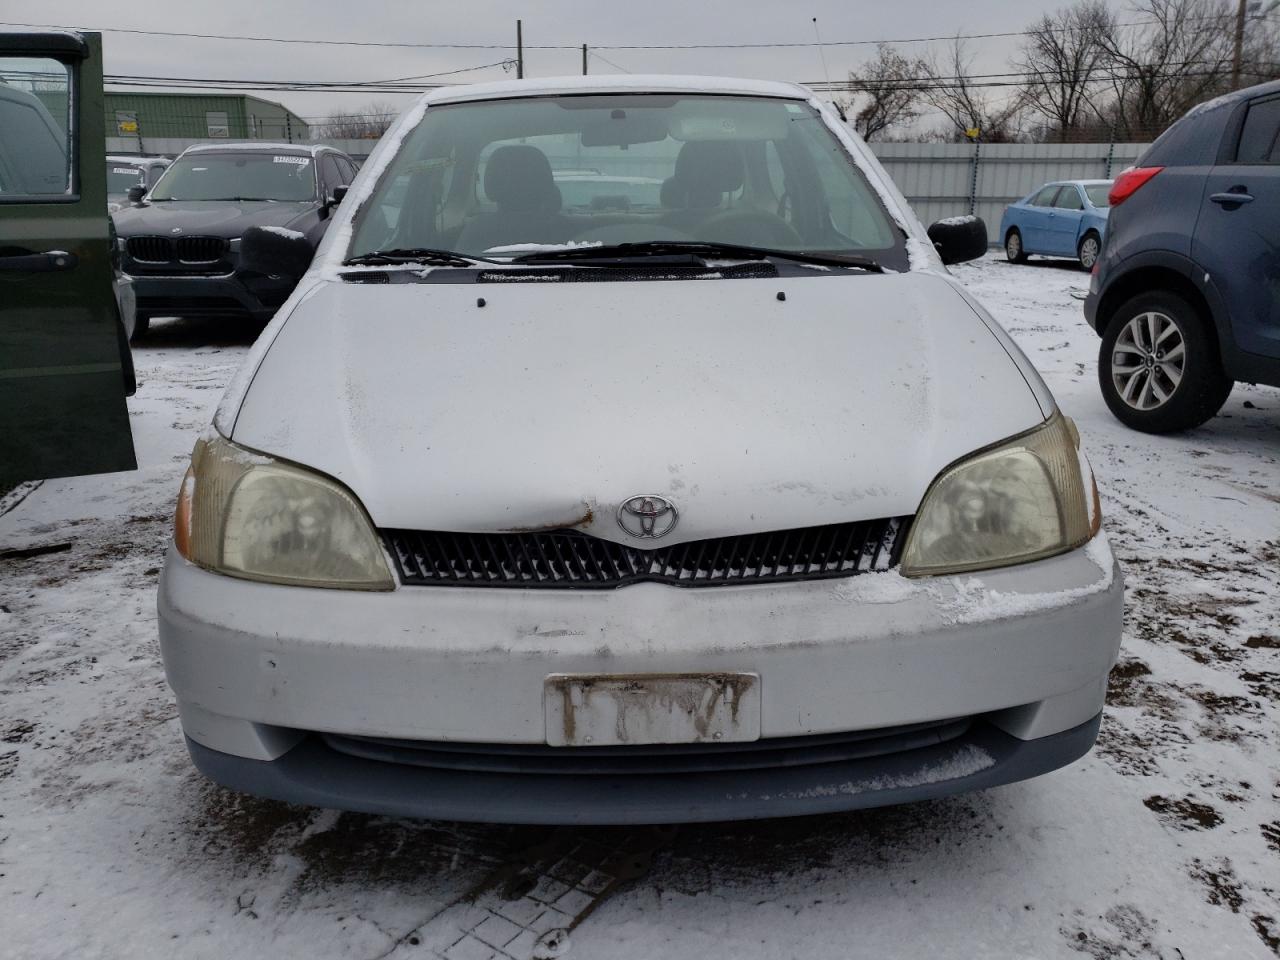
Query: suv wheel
1090,245
1013,247
1158,365
141,324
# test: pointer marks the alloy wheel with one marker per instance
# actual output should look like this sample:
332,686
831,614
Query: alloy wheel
1013,246
1089,252
1148,361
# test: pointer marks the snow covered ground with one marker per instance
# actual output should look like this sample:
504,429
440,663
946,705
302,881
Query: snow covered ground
1164,842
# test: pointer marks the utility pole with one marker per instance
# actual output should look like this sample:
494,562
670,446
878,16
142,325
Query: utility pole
520,49
1239,45
584,59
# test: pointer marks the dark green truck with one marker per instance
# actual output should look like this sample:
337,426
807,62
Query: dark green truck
65,366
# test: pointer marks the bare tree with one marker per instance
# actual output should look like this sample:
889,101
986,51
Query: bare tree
1261,59
368,123
954,91
1179,57
888,92
1063,57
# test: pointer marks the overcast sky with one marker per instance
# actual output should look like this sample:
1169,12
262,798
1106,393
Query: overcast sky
547,22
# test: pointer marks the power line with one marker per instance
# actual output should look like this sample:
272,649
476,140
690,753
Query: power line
330,43
615,66
766,45
396,84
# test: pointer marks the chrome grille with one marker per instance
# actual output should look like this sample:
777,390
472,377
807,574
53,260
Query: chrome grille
184,249
568,559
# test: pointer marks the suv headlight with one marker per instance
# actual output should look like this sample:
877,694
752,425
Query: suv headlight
251,516
1023,499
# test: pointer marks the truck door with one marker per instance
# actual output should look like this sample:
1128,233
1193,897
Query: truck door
64,371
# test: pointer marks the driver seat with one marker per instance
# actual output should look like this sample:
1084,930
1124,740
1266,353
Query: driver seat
705,171
518,180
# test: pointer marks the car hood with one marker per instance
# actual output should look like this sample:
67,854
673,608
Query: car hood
217,218
554,402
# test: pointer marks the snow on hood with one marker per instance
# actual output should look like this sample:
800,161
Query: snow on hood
555,402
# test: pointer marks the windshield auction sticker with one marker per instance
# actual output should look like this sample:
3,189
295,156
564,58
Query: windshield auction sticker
300,161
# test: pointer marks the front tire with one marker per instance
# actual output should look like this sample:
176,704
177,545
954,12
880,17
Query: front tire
1158,365
1087,252
141,324
1013,249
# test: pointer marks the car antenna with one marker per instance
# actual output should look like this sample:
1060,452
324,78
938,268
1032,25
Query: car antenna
822,55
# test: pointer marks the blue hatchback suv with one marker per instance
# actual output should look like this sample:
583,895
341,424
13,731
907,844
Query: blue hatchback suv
1186,293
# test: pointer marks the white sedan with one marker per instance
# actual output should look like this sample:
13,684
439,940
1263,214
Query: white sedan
737,507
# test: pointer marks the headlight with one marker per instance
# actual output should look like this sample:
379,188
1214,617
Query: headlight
250,516
1024,499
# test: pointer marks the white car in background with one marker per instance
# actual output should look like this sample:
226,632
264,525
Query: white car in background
740,507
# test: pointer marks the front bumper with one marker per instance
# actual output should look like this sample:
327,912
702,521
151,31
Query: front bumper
210,295
314,774
263,673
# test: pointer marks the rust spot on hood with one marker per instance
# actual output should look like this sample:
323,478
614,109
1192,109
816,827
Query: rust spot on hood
584,520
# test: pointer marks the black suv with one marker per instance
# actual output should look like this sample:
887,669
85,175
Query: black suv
1186,293
181,241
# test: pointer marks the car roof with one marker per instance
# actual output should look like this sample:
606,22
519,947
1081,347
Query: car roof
613,83
116,158
258,146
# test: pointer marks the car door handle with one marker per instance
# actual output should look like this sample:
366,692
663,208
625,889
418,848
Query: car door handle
1231,197
46,262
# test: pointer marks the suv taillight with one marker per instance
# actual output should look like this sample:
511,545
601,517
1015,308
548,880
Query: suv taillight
1128,183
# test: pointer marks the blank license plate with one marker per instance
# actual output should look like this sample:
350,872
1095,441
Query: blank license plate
590,710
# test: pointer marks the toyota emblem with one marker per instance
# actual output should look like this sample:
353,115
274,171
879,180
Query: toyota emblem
648,517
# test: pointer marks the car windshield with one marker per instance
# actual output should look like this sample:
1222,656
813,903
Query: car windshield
237,176
121,177
1098,193
506,177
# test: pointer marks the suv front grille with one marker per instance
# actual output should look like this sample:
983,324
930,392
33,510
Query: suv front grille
184,249
151,249
569,559
201,249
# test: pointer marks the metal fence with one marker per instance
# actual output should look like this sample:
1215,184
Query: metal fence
952,179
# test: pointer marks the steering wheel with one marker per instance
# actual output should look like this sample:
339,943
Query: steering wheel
754,228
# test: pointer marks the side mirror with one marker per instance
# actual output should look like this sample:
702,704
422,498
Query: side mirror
333,200
959,239
274,252
136,193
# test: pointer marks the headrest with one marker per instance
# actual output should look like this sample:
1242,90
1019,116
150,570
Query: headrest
518,179
705,171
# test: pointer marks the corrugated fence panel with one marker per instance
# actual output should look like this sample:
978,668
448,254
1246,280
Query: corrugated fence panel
948,179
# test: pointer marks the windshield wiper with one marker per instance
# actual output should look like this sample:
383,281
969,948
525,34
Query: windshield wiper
423,255
627,253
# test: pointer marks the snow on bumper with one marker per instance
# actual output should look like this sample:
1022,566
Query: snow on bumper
257,667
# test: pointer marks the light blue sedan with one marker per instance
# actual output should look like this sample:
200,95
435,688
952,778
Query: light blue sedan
1063,219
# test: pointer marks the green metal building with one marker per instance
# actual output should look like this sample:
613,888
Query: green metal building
201,116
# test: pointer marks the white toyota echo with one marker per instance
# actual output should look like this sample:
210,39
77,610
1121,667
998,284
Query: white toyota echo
627,454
